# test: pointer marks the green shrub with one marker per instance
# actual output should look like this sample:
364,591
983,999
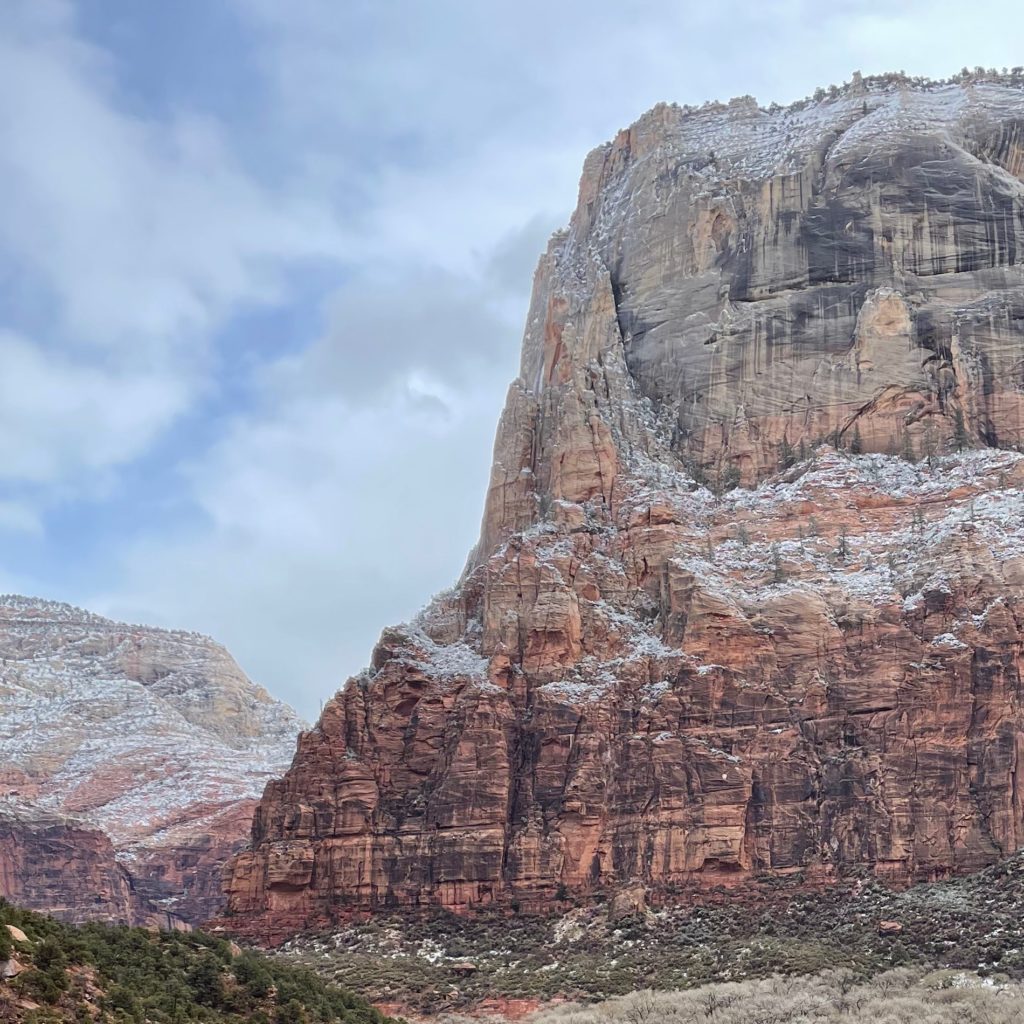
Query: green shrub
166,978
122,1002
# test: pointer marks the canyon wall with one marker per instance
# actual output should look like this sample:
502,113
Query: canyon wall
748,592
131,755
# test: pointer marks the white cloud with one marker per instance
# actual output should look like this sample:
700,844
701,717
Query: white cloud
127,239
59,418
19,517
350,494
426,151
143,229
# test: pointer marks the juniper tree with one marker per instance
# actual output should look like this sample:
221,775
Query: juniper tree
961,438
787,457
843,547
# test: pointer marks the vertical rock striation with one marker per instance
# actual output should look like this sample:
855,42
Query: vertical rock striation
648,674
39,853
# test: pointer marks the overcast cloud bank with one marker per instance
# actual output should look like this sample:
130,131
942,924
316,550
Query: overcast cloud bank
266,268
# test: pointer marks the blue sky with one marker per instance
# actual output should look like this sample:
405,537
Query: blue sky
264,267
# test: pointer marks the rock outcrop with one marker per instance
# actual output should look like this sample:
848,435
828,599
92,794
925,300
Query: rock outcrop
38,852
649,675
59,866
131,759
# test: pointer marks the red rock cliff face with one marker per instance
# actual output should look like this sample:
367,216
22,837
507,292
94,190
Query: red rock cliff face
642,678
61,867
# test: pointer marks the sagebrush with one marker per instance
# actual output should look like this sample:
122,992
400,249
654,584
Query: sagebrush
834,997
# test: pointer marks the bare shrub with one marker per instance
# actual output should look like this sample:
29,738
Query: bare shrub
897,997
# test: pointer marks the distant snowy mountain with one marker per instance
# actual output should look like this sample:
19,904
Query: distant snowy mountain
154,737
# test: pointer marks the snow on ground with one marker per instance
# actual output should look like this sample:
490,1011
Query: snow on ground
130,728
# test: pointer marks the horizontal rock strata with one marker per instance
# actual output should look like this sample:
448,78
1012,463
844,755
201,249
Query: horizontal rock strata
649,674
154,742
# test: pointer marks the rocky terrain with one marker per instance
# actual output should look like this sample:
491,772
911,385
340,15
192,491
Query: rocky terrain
749,590
131,759
487,961
40,853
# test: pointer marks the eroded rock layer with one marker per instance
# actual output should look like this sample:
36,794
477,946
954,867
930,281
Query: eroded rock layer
40,852
641,678
154,742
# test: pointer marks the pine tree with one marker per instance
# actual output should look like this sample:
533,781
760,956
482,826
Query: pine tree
843,547
205,981
787,457
778,569
929,446
907,447
856,444
290,1013
961,438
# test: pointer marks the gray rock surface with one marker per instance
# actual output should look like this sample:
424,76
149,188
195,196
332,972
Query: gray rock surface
853,263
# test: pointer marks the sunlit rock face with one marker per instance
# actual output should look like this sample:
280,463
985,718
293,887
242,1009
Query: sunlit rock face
148,745
640,678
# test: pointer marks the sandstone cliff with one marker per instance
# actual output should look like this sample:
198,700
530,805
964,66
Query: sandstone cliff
61,867
153,741
38,852
641,677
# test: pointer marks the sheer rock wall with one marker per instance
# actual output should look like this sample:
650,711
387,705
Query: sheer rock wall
639,678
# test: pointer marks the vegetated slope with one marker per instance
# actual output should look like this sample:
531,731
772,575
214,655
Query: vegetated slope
56,972
650,674
154,738
595,951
